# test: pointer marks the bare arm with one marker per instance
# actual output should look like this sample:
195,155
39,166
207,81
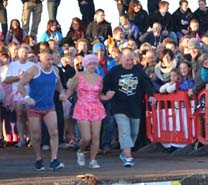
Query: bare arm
26,78
11,79
109,95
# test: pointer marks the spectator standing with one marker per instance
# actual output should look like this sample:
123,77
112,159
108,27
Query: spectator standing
122,6
152,6
42,75
129,83
52,6
87,9
3,17
34,8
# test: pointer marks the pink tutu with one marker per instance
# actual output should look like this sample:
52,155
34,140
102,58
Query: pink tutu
13,98
7,89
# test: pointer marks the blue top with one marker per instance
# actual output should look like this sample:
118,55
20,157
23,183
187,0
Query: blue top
42,88
55,35
110,64
186,84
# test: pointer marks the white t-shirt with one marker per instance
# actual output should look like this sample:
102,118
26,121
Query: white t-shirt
15,68
3,72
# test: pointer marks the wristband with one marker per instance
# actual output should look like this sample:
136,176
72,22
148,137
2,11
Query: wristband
26,97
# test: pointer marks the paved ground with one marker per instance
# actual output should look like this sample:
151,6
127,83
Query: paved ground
17,168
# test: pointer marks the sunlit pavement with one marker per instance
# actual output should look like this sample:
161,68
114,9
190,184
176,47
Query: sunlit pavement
17,167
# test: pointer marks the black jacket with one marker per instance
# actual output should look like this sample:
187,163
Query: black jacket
141,19
202,17
182,20
94,30
165,21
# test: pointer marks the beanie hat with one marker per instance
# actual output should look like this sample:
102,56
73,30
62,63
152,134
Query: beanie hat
193,43
98,46
88,59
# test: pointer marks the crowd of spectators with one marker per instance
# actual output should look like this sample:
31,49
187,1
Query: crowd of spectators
171,50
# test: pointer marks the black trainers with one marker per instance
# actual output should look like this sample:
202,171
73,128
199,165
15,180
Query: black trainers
39,165
55,165
2,143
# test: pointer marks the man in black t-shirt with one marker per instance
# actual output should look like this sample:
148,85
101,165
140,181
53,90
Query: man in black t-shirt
130,83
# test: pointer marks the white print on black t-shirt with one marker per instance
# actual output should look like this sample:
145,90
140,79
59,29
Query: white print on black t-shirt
128,84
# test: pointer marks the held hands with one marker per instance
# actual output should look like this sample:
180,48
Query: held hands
110,94
62,97
107,96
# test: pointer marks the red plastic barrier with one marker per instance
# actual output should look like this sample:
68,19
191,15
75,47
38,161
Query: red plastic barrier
171,119
201,117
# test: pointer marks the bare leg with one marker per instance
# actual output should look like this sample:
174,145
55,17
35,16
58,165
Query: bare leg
35,131
85,131
19,108
51,122
95,127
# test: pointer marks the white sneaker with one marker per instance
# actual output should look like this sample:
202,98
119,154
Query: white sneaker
80,158
94,164
45,147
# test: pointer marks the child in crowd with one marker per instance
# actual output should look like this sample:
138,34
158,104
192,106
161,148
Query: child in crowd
171,86
186,82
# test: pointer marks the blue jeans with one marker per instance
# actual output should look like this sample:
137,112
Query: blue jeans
52,9
87,11
34,9
108,127
128,129
3,20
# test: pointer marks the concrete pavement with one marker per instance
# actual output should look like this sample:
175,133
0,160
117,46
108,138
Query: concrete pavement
17,168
